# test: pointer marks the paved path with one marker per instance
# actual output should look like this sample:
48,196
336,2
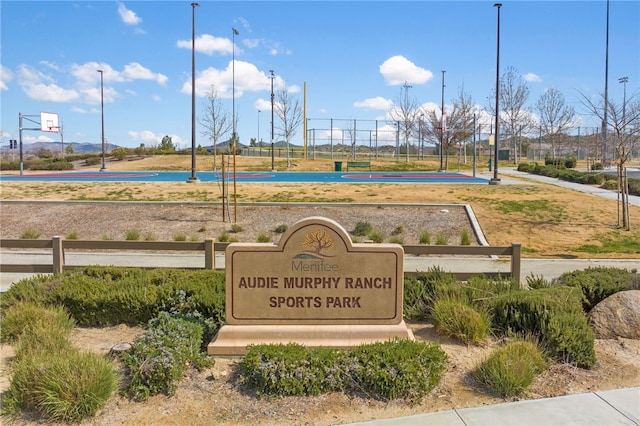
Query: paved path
613,407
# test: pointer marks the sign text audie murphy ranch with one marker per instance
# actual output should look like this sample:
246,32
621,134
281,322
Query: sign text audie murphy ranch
315,287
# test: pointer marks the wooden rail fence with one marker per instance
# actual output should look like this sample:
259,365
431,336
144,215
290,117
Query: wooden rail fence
59,246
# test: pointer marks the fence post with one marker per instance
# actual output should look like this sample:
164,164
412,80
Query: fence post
209,255
516,250
58,254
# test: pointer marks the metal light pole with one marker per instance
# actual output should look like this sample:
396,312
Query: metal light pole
193,177
233,84
273,162
104,167
258,139
606,94
442,123
624,81
495,180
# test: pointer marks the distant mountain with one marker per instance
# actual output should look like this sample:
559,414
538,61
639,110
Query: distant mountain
78,147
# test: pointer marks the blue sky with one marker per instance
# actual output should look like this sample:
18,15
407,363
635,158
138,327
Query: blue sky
353,55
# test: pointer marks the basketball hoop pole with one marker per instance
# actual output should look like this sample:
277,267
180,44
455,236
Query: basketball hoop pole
20,129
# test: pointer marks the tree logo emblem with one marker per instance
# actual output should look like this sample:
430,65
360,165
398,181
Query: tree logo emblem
316,243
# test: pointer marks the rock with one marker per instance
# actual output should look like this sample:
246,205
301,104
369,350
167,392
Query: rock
617,316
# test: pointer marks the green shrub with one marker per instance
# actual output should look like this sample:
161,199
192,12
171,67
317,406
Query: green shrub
375,236
393,369
511,369
537,281
455,318
553,314
159,358
105,296
400,368
281,229
73,235
149,237
24,315
442,240
132,235
294,370
74,386
424,237
264,238
597,283
571,338
416,299
235,228
55,380
362,229
597,166
30,234
224,237
465,238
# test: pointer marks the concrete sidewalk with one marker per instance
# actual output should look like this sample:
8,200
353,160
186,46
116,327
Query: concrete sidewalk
613,407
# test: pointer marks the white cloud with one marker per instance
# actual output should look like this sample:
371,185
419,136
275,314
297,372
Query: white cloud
147,137
41,87
5,77
135,71
210,45
531,77
128,16
248,78
374,103
398,69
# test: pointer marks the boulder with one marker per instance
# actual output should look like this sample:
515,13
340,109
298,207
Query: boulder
617,316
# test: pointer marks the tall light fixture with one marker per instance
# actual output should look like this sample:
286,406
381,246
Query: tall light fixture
606,93
104,167
233,85
193,177
442,124
258,139
495,180
273,160
624,81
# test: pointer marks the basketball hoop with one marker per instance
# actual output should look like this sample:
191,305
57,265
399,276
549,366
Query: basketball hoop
49,122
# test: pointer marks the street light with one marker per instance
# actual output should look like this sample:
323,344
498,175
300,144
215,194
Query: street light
273,160
104,167
442,123
495,180
193,177
624,81
233,86
258,139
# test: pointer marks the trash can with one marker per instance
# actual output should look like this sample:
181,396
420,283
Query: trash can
490,164
337,166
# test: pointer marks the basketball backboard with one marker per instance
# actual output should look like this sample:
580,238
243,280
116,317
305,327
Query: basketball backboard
49,122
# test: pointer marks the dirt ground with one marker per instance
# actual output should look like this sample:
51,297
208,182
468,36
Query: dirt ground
213,397
564,221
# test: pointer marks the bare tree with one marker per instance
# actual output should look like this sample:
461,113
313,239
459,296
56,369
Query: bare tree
289,112
405,113
514,93
215,120
458,127
623,119
556,117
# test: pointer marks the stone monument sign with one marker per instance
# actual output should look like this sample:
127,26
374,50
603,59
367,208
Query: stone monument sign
315,287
